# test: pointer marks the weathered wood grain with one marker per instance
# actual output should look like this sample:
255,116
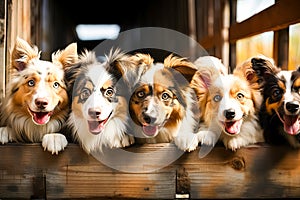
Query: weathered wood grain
258,171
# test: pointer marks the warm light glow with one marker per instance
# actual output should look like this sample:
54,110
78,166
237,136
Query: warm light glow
97,31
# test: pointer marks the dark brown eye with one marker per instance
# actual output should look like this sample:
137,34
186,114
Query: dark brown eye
109,92
165,96
55,85
240,96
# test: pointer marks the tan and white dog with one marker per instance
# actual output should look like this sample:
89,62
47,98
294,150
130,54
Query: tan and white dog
36,104
227,106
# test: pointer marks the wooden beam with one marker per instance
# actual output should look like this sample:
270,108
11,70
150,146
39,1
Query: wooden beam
279,16
258,171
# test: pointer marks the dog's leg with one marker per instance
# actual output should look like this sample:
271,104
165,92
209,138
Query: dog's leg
5,135
186,141
54,142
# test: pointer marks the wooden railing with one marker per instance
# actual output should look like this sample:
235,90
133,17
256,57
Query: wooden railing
258,171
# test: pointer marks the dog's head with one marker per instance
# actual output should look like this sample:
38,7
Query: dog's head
158,101
96,89
230,102
38,87
280,93
224,100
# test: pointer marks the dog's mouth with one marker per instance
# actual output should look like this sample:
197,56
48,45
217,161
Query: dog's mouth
291,123
232,127
97,126
40,118
150,130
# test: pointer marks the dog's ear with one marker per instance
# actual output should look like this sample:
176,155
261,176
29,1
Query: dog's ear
264,67
22,53
182,65
66,57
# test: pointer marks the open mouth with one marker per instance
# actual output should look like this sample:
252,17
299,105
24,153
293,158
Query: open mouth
291,123
232,127
150,130
40,118
97,126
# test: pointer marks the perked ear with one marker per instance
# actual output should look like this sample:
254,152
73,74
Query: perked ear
22,53
66,57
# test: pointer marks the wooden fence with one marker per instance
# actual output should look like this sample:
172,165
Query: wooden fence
259,171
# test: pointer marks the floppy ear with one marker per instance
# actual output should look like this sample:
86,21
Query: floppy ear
22,53
263,67
66,57
182,65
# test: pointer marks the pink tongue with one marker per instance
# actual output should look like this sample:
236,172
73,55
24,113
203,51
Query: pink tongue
291,124
150,130
41,117
95,126
233,127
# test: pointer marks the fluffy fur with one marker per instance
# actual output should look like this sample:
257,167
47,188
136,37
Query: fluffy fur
227,106
99,111
162,105
36,104
279,113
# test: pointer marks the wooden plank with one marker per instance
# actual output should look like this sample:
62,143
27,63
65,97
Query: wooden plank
258,171
282,14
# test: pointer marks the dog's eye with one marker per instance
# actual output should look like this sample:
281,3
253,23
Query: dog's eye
85,93
109,92
276,93
217,98
31,83
55,85
165,96
240,96
140,94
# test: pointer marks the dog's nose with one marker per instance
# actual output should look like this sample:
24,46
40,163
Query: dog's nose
292,106
148,119
94,113
41,103
229,114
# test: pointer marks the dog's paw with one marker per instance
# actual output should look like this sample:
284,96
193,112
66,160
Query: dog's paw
127,140
54,142
234,144
5,136
188,143
207,137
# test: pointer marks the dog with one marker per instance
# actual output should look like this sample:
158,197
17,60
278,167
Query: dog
227,107
99,113
36,104
162,105
279,113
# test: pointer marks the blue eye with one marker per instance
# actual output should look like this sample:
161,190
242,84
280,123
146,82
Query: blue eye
217,98
31,83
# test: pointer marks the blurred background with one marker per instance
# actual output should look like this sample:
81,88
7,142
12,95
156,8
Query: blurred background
232,30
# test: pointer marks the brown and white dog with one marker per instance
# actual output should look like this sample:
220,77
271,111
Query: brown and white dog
162,105
36,104
227,108
99,113
280,110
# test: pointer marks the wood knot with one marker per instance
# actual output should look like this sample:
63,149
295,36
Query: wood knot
238,163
